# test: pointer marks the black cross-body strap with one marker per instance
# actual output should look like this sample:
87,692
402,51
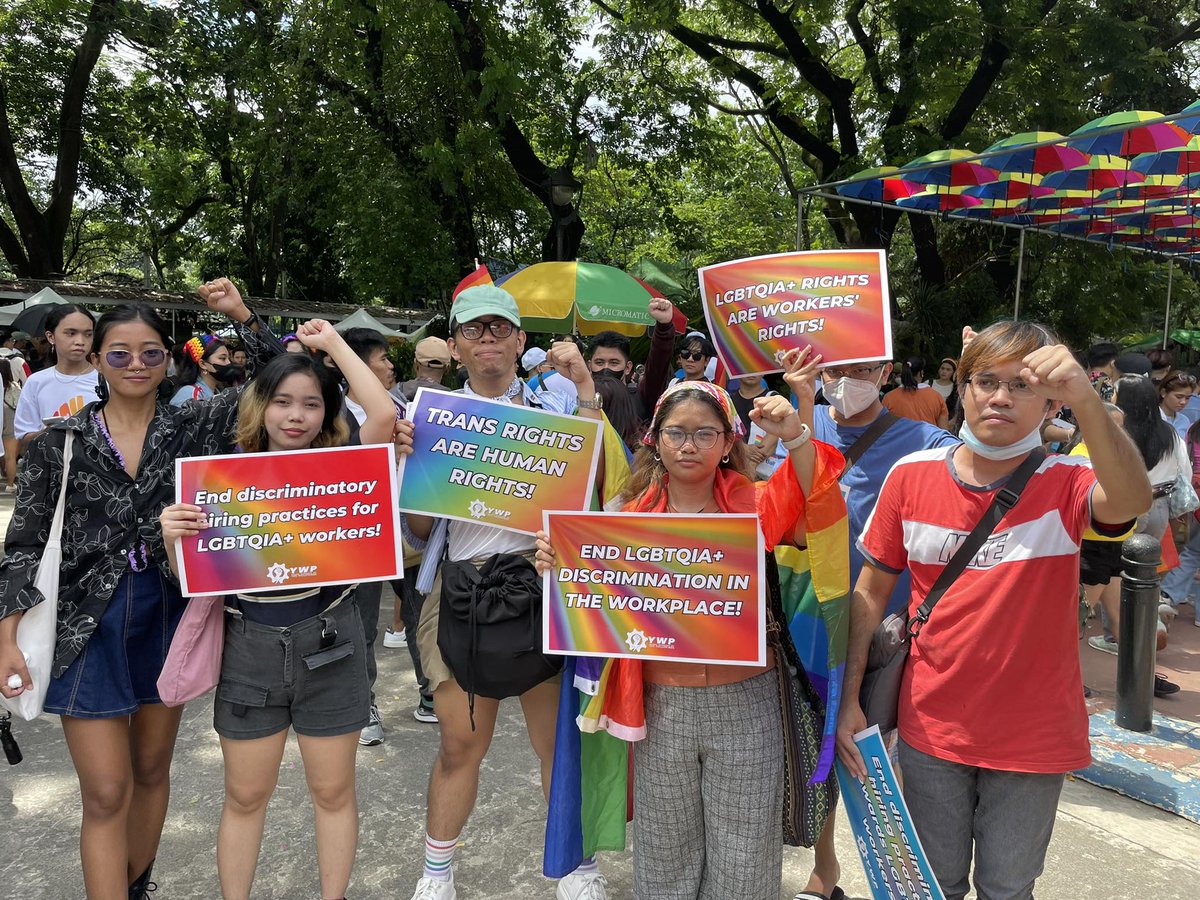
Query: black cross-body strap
855,451
1006,498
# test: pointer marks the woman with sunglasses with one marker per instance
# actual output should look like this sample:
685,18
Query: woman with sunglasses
695,353
117,607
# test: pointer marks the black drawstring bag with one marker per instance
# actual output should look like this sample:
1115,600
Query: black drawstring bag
490,628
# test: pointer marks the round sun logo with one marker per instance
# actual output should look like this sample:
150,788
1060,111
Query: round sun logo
594,311
477,509
636,640
278,573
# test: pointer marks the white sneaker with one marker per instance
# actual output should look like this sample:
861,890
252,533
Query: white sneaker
394,639
425,714
435,889
372,735
583,886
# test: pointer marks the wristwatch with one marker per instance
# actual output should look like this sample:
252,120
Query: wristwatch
799,440
596,402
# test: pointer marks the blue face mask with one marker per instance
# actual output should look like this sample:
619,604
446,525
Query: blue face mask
1031,441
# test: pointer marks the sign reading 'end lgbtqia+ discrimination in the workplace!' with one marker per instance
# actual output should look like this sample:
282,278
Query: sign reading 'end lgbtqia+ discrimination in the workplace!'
761,307
296,518
666,586
494,463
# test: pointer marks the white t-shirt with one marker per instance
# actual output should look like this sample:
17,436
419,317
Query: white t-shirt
51,393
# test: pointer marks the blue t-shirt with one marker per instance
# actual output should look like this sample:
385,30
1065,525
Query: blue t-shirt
861,483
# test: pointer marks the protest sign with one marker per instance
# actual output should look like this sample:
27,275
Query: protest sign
669,587
761,307
494,463
887,842
303,517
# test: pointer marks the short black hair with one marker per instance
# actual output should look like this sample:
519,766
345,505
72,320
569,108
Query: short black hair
613,340
1100,355
365,341
1133,364
705,345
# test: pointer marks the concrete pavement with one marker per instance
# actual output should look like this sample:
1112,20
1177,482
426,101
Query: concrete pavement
1104,845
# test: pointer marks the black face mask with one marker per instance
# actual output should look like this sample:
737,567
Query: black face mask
229,374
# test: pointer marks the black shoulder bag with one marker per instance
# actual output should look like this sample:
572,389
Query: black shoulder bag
879,695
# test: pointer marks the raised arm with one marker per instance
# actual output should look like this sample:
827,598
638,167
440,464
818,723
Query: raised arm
380,423
662,349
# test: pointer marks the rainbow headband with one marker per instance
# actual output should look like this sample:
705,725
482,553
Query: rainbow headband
704,387
196,346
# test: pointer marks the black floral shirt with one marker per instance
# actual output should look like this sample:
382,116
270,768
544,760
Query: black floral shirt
108,514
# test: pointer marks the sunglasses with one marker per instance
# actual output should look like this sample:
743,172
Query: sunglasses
694,355
122,359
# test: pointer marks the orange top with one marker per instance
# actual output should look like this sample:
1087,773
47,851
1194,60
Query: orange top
922,404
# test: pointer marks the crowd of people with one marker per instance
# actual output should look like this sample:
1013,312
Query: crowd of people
991,712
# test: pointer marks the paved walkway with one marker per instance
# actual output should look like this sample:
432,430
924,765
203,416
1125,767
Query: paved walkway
1104,845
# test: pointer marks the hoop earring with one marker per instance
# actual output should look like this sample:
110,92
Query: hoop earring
725,459
657,458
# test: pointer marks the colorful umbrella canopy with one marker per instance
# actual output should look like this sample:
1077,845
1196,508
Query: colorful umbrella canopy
943,167
936,200
579,296
1181,161
873,184
1133,138
1009,186
1019,157
1096,174
1190,123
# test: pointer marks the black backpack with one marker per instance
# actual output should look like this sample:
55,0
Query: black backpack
490,628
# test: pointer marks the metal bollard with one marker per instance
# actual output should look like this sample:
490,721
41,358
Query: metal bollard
1139,621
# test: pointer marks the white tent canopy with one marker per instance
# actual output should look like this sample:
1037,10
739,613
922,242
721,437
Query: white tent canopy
363,319
41,298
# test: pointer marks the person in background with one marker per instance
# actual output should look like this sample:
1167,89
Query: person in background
1102,369
696,352
293,658
292,344
946,386
543,378
238,354
1164,456
371,348
1162,361
991,709
914,400
1179,583
206,367
610,350
69,383
1174,391
431,361
12,395
619,409
760,445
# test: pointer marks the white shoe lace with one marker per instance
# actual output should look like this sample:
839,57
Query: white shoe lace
429,889
594,887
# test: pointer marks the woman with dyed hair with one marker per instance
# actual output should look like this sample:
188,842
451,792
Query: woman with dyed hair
206,367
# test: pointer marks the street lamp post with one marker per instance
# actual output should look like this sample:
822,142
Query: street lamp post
566,229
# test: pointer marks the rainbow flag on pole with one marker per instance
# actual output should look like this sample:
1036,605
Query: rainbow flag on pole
481,275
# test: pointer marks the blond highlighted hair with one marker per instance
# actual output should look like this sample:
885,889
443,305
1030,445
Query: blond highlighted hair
251,431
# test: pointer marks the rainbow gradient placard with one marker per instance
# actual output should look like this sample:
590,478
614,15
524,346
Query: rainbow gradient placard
835,300
279,520
493,463
659,586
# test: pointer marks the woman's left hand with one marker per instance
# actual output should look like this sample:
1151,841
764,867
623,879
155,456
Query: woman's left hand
317,334
181,520
543,560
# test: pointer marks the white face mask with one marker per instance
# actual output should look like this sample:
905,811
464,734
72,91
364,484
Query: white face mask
850,396
1031,441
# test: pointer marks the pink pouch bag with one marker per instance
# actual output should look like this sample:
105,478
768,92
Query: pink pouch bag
193,664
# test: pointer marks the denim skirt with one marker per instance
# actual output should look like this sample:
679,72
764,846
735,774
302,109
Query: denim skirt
118,669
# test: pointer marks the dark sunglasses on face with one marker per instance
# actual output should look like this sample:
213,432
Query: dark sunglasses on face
122,359
694,355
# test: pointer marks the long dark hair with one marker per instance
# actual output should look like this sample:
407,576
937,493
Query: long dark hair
251,433
121,315
188,371
1137,397
910,374
619,407
55,317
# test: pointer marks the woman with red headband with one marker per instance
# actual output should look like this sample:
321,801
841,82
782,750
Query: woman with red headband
205,368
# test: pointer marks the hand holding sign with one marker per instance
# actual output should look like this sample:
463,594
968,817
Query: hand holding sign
543,560
181,520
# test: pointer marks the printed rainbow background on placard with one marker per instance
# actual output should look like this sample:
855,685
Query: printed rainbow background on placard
228,571
860,332
425,486
602,632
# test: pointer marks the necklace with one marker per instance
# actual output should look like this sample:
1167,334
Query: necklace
513,390
703,509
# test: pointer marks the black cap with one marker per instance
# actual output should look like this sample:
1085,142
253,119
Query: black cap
1133,364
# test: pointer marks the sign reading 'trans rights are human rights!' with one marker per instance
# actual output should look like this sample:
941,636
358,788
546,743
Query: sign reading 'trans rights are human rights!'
761,307
493,463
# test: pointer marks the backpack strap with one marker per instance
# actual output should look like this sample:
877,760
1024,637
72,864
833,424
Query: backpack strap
1006,498
855,451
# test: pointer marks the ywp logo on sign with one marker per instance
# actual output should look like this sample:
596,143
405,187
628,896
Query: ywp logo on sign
479,510
637,641
281,574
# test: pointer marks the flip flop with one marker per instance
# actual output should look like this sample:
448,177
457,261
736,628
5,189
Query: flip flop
836,894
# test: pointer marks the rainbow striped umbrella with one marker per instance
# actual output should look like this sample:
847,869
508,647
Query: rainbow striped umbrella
1133,138
1009,186
1190,123
948,168
874,184
1180,161
1020,157
1096,174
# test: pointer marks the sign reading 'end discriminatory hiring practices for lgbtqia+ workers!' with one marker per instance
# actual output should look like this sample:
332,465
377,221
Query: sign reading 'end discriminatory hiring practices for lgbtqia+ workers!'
761,307
300,517
663,586
494,463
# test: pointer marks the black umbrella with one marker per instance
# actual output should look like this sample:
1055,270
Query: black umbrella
33,320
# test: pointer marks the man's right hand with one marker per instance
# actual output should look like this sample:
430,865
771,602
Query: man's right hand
851,720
